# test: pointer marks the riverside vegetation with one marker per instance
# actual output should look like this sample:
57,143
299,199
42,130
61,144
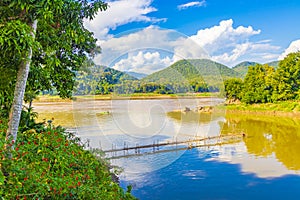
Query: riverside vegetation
264,84
46,162
39,161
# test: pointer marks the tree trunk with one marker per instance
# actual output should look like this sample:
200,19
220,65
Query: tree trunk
16,108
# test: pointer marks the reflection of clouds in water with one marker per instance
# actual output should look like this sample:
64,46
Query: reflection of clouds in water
194,174
142,164
143,122
143,114
263,167
99,127
139,118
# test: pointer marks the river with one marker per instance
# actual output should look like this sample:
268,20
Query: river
265,164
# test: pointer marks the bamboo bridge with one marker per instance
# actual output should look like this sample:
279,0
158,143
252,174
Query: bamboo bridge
155,147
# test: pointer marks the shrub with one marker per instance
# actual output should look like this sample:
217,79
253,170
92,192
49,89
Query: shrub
52,164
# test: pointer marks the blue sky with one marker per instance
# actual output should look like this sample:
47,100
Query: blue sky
148,35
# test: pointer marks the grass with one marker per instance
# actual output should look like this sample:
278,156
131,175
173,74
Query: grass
283,106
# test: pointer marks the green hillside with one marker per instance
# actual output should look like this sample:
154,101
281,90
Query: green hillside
136,75
192,69
242,68
274,64
99,79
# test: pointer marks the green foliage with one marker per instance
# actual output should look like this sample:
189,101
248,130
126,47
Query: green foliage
242,68
99,80
263,84
234,88
287,78
15,40
7,80
258,84
61,44
52,164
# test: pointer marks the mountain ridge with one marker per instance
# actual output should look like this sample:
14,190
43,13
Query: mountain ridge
189,69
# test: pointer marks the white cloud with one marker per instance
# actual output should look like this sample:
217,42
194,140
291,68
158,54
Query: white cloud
294,47
151,49
191,4
136,51
119,13
230,45
143,62
223,35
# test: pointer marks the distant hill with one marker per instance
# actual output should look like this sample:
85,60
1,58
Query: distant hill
192,69
274,64
136,75
118,76
91,79
242,68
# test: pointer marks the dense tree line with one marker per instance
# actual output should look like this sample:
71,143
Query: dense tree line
264,84
105,83
102,80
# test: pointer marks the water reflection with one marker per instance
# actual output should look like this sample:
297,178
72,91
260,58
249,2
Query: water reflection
269,136
194,117
191,177
272,145
271,148
119,123
267,159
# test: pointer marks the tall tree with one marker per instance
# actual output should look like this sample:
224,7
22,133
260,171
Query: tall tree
258,84
49,37
234,88
287,78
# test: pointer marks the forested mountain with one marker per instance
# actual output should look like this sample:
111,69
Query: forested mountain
137,75
99,79
191,69
274,64
116,76
192,75
242,68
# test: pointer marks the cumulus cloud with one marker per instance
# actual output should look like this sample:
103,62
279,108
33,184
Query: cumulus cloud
230,45
119,13
294,47
191,4
223,35
143,62
151,49
136,51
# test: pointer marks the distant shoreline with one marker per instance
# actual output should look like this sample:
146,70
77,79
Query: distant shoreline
285,108
138,96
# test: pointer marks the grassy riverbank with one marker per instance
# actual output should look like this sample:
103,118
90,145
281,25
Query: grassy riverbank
284,108
49,163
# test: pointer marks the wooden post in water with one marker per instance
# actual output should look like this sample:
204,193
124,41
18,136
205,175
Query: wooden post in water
154,146
124,152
